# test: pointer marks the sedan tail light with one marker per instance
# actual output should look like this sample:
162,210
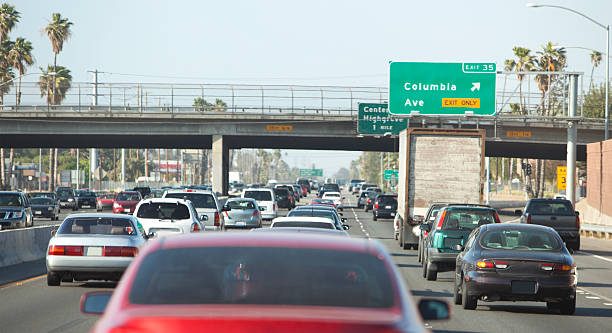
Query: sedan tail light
578,222
256,213
217,219
120,251
555,267
528,218
492,264
441,220
195,227
496,216
376,206
65,250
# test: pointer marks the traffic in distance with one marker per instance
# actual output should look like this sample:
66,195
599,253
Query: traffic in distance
147,239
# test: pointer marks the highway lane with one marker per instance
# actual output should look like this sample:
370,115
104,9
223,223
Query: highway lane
32,306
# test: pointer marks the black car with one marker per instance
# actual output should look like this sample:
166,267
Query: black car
329,187
370,195
51,195
66,197
145,191
45,207
558,214
15,210
304,183
516,262
385,206
86,198
283,198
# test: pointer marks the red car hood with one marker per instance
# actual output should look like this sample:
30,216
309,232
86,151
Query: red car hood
106,200
242,318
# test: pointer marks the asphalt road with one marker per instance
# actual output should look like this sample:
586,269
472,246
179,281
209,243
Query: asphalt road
31,306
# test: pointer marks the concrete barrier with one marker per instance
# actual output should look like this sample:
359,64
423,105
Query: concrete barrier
21,245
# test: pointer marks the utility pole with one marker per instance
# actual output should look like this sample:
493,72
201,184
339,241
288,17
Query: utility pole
78,178
123,168
40,171
572,137
93,156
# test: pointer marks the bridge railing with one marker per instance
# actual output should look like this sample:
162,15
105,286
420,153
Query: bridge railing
524,96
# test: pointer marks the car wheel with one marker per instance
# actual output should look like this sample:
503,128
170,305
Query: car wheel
365,209
53,279
457,292
469,302
75,208
432,273
424,268
420,253
575,245
374,217
395,235
568,306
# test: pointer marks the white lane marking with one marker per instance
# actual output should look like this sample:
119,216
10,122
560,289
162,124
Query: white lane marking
588,292
579,291
593,297
595,256
361,226
608,304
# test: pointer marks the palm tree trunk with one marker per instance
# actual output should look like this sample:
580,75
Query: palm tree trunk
521,108
54,79
146,162
542,178
537,180
1,168
18,95
591,83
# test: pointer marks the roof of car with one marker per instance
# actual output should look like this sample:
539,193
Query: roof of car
241,199
461,207
161,200
516,226
547,199
108,215
320,231
257,189
130,192
190,191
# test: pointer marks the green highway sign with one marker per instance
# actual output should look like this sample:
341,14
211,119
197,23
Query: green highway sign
311,172
391,174
428,88
375,119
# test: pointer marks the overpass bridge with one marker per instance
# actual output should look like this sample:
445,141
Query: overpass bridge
287,117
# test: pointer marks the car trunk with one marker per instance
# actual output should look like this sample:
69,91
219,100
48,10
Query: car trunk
209,213
529,264
557,222
448,239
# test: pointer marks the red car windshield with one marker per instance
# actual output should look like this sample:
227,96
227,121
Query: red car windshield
259,275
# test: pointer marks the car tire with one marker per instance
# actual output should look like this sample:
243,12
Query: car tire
395,235
575,245
424,268
53,279
431,274
75,208
469,303
457,296
420,255
568,306
374,217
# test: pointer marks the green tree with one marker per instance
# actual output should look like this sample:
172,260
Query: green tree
54,86
552,59
524,62
58,31
595,60
19,56
594,102
8,18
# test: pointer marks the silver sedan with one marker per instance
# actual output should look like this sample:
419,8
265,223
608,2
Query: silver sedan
242,213
93,247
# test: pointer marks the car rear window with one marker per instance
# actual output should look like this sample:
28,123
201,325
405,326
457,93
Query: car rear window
515,239
128,197
258,195
303,224
387,200
199,200
64,193
163,211
42,201
10,200
241,204
460,219
260,275
550,208
97,225
314,213
328,194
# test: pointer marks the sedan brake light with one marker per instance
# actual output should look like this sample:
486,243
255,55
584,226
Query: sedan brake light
496,216
195,227
577,222
492,264
65,250
376,206
528,218
120,251
217,219
441,220
555,267
256,213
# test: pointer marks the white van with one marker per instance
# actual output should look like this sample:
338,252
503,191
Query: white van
265,200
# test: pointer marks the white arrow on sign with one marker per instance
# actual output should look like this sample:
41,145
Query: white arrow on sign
475,86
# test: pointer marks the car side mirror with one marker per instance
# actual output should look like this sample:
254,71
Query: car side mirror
343,219
226,208
53,232
518,212
151,234
418,218
346,226
426,227
577,213
95,302
433,309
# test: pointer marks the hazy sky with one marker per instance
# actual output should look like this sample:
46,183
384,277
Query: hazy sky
300,42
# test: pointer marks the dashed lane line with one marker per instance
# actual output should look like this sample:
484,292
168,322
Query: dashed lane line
595,256
21,282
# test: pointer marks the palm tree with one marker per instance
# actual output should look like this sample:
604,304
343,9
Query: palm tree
524,63
6,75
19,56
58,31
552,59
596,60
62,79
8,18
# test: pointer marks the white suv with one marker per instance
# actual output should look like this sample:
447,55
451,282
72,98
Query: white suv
164,216
205,203
336,197
265,200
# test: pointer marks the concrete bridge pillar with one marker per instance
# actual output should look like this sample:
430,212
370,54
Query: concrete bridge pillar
220,164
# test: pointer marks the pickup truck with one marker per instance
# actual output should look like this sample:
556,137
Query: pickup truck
558,214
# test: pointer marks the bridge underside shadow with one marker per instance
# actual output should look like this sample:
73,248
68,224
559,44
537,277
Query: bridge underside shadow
366,143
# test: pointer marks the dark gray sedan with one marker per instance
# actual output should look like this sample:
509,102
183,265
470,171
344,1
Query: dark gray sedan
242,213
45,207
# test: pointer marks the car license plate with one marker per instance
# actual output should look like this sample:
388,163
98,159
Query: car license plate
86,206
94,251
38,212
240,223
127,210
392,214
387,207
524,287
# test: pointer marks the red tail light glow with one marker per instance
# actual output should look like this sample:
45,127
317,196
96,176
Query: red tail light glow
376,206
555,267
65,250
195,227
528,218
578,222
120,251
217,219
497,220
441,220
492,264
256,213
